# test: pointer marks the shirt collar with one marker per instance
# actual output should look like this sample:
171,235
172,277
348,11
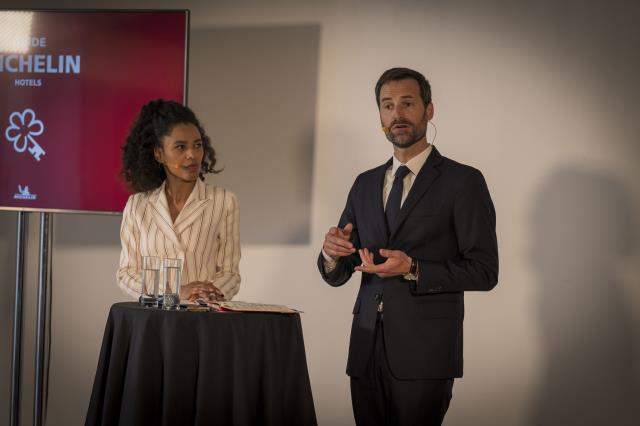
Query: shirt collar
199,192
415,164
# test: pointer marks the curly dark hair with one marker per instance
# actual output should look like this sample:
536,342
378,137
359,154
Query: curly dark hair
156,120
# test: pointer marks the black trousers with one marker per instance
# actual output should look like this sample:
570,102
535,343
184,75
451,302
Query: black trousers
378,398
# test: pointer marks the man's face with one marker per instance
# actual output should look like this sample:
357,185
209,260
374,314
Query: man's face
402,113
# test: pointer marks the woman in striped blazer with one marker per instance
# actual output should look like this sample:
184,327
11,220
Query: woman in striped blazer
172,212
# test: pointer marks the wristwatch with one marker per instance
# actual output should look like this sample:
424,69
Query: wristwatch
412,275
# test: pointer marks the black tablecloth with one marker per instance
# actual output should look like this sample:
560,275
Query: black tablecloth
201,368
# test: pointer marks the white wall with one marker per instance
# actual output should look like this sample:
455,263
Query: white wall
542,98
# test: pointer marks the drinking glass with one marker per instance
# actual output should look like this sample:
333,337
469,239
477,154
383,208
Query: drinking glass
150,280
172,269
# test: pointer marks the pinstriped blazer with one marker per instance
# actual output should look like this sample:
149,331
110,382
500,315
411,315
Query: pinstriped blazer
205,236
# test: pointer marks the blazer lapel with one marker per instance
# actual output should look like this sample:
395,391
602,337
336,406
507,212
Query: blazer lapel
427,175
159,209
377,206
192,209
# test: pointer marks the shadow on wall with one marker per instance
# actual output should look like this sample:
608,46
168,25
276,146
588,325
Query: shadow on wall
255,90
583,224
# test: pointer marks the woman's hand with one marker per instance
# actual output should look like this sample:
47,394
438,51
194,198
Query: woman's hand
204,290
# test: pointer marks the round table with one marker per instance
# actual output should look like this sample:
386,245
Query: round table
201,368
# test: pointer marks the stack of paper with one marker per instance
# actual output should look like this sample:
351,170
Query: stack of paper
252,307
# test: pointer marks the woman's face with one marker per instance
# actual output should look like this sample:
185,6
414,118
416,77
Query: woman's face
181,152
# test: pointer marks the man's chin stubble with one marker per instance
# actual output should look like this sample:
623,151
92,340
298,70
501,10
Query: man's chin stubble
404,145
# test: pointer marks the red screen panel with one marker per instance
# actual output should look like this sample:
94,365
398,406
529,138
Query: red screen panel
67,101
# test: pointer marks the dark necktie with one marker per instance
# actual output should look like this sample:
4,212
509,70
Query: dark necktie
395,196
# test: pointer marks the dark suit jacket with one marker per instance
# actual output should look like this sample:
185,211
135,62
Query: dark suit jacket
447,222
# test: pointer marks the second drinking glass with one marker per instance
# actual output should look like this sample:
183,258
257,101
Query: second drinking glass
172,271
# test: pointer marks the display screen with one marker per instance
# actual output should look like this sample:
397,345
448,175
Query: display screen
71,85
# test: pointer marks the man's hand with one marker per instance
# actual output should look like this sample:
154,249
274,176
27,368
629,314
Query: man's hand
397,263
204,290
336,242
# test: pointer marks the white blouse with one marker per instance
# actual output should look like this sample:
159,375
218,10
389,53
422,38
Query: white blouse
205,235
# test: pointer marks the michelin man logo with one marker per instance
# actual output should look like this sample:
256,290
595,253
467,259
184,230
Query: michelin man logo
23,127
24,194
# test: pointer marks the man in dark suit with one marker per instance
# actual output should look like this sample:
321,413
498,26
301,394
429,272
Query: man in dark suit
421,229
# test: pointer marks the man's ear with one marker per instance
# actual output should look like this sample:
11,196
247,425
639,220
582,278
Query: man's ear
429,111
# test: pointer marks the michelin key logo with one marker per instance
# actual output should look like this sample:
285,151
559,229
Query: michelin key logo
24,194
23,127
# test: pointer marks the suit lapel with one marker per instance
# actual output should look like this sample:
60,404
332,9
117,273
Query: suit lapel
377,205
426,176
159,209
192,209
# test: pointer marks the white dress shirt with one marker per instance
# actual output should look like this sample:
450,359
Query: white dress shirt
205,235
414,165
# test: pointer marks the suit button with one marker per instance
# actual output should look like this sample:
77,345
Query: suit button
378,297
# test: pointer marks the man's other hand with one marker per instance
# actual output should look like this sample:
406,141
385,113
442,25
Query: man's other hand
336,242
